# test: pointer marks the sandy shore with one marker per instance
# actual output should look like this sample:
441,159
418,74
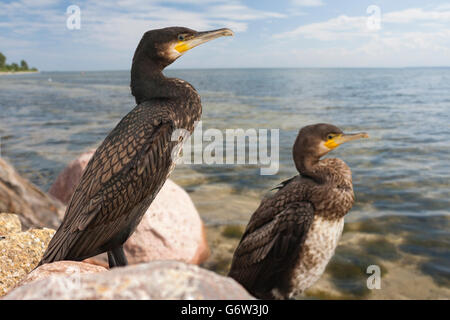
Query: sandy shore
17,72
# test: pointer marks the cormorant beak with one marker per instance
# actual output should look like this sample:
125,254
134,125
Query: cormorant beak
346,137
201,37
339,139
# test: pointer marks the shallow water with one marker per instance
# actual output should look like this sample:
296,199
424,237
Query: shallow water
411,252
402,170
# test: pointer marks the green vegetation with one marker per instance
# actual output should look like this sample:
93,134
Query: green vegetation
13,67
233,231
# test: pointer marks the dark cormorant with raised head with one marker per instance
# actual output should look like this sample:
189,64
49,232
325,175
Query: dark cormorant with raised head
293,234
133,162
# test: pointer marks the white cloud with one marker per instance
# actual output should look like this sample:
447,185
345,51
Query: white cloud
350,28
407,37
417,14
307,3
16,43
120,24
109,28
240,12
445,6
342,27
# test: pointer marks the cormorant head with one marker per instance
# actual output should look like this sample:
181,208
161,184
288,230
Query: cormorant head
164,46
315,141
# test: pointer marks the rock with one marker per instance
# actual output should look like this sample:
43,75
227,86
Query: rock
34,207
97,262
20,252
66,182
170,230
9,223
153,280
67,268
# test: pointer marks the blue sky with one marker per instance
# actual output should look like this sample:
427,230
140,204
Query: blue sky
291,33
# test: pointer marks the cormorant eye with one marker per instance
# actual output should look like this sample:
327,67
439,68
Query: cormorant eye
330,137
181,37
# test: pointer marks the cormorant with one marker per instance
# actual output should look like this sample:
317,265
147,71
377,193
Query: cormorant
131,165
292,235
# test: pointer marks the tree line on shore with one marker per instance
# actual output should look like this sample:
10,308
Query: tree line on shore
13,67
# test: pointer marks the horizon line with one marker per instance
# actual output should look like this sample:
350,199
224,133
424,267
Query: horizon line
240,68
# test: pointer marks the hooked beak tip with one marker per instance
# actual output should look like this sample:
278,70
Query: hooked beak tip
228,32
364,135
217,33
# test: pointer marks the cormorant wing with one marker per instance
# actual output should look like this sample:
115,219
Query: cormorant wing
283,183
266,252
131,163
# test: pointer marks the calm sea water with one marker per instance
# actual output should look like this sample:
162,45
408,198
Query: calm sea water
403,170
49,118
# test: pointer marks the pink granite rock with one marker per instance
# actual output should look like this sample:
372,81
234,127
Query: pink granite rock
170,230
66,182
154,280
67,268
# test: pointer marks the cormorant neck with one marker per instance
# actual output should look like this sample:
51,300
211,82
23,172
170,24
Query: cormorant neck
308,166
148,82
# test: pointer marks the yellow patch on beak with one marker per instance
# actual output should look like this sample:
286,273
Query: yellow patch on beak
330,144
182,46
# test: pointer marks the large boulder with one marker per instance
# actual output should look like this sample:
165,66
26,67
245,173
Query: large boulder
171,228
34,207
66,182
153,280
20,251
62,268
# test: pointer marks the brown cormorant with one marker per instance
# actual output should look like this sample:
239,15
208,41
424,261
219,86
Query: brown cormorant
133,162
293,234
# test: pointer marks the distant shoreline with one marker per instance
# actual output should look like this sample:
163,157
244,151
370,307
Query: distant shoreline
250,68
16,72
